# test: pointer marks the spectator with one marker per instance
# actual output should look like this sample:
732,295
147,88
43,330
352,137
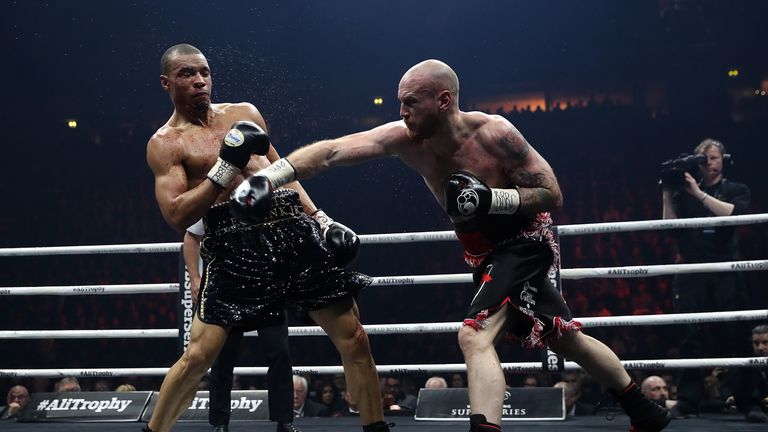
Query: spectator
17,399
395,399
750,385
303,407
458,381
125,388
331,398
572,394
101,385
530,381
67,385
655,388
436,382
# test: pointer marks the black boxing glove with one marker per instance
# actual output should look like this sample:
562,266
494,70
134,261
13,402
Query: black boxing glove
251,201
466,196
341,239
244,139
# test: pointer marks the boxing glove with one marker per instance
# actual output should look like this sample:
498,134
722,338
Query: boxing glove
243,139
466,196
341,239
251,201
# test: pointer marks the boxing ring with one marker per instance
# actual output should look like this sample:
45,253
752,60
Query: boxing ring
404,424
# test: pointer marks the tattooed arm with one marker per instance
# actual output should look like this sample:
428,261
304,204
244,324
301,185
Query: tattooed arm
528,170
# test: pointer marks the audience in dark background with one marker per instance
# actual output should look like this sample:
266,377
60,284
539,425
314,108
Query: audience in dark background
607,158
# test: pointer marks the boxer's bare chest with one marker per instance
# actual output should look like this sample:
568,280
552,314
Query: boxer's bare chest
435,164
201,148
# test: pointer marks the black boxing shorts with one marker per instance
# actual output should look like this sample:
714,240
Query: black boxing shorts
517,274
251,272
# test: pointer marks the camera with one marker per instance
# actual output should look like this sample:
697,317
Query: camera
673,171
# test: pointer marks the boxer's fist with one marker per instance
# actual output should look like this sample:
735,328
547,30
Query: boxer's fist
466,196
252,200
244,139
341,239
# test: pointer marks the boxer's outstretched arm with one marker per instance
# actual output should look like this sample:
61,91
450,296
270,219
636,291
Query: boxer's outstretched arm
348,150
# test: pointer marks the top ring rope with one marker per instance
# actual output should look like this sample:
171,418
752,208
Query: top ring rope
593,228
563,230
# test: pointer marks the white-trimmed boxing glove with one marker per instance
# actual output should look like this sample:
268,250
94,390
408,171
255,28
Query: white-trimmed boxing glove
341,239
243,139
466,196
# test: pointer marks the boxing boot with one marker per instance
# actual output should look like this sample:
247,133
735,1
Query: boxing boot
478,423
644,414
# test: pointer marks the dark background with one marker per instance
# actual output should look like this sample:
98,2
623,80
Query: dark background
313,69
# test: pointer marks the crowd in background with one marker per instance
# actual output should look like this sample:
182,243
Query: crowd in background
606,158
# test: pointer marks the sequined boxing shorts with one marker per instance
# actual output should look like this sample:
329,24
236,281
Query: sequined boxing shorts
251,272
517,274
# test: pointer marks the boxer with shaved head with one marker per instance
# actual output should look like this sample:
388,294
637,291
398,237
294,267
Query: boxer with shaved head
498,191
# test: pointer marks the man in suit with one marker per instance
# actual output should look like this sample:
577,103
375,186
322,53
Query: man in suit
303,407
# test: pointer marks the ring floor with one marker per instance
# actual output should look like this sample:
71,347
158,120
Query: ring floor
710,423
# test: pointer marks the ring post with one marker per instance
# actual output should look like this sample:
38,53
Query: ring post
186,306
550,361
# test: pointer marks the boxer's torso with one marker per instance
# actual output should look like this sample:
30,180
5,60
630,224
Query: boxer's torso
199,145
479,147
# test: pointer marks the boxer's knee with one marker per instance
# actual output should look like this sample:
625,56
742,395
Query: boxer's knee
472,340
197,360
353,341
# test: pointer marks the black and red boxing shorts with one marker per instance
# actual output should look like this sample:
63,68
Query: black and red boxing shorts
517,274
251,272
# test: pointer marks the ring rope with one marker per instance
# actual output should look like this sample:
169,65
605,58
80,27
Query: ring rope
456,278
597,272
93,249
563,230
663,269
660,224
412,328
412,368
92,289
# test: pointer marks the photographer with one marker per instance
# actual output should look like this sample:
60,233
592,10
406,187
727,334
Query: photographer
684,197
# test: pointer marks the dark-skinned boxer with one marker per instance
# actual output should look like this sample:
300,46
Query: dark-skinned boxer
251,270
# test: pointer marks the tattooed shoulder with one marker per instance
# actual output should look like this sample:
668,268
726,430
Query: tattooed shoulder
513,144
